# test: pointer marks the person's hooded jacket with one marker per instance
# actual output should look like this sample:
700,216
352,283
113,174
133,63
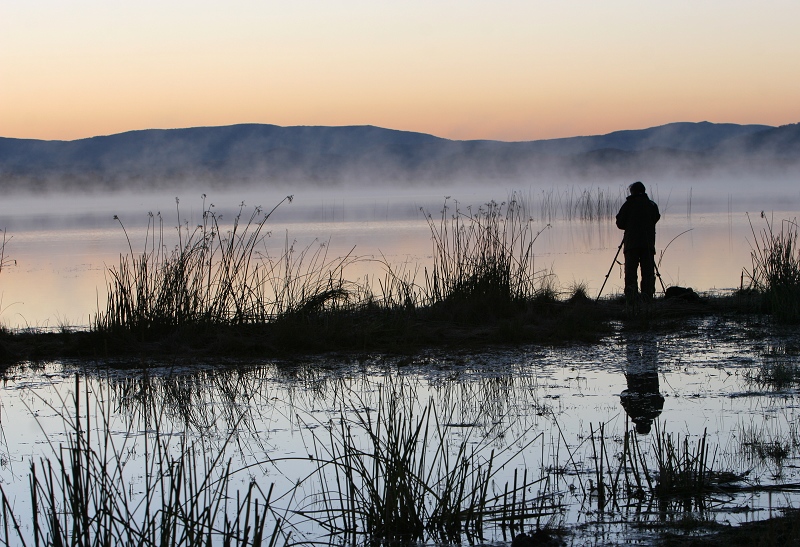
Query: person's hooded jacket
638,217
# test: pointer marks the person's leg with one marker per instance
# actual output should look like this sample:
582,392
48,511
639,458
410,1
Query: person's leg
647,259
631,275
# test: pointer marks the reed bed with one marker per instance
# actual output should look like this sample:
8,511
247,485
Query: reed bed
218,275
572,204
83,495
484,256
387,476
775,268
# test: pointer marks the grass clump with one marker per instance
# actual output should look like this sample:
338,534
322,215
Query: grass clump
218,276
84,495
209,277
483,261
389,476
775,269
684,468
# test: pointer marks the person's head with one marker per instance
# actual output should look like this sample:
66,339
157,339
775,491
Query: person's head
636,188
643,426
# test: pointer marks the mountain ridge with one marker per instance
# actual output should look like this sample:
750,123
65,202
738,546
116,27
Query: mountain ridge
335,155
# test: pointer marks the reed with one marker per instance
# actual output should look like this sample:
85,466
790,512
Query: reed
388,476
4,260
82,494
208,277
222,276
684,468
572,204
775,268
674,473
484,258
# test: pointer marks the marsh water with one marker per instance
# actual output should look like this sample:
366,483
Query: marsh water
557,420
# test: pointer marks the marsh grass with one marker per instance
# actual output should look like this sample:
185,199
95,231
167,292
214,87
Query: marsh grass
83,494
775,268
685,468
768,449
671,472
220,275
483,258
210,276
587,204
388,476
778,369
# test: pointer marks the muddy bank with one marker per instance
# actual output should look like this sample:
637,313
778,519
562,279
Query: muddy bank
547,322
775,532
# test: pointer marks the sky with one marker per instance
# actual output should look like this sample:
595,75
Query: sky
505,70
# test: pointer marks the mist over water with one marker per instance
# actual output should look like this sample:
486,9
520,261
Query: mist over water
60,246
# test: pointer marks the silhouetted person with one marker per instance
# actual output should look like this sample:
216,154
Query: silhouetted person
642,400
638,217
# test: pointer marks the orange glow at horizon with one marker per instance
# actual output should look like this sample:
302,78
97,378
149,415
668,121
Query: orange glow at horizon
512,71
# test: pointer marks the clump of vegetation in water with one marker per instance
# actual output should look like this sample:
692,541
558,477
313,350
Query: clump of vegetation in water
83,495
778,369
388,475
775,269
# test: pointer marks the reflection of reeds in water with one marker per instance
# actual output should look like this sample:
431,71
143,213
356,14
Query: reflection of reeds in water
382,464
383,469
387,474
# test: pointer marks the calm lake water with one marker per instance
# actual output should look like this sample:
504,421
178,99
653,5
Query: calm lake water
536,408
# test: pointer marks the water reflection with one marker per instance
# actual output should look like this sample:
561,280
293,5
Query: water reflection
642,400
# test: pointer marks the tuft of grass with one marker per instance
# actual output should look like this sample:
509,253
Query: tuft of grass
775,268
483,258
685,469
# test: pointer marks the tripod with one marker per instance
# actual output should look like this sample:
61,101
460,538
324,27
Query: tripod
655,267
611,268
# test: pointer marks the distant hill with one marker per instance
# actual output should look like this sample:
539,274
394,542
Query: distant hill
274,155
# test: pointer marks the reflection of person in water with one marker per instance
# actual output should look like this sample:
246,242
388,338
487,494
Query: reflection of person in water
642,400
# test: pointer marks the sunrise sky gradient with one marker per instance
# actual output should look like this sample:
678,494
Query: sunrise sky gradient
507,70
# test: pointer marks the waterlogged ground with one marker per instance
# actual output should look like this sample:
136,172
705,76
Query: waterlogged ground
549,417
